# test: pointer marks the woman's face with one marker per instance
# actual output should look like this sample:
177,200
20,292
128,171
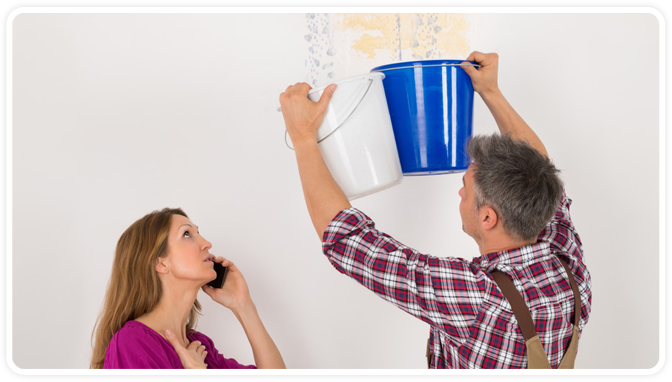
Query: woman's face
188,255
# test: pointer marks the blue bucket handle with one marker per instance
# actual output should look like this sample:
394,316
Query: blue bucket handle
361,98
426,66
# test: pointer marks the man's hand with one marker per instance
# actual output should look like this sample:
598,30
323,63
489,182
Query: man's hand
302,116
484,79
324,197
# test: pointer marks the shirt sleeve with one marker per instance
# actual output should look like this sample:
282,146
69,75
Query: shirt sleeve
560,232
132,348
214,359
564,241
444,292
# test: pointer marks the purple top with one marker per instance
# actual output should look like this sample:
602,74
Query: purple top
136,346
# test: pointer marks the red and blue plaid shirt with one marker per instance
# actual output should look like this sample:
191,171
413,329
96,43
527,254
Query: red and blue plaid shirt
471,323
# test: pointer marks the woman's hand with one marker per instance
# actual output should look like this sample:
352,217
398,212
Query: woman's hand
193,356
234,294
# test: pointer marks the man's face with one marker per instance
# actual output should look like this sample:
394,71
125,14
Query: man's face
468,211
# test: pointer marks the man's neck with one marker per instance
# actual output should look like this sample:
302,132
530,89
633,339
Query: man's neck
498,242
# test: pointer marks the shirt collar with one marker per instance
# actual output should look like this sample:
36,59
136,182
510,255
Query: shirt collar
517,257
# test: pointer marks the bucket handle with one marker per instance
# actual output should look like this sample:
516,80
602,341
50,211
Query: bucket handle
426,66
346,118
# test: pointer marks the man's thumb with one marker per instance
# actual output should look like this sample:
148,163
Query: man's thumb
326,95
469,68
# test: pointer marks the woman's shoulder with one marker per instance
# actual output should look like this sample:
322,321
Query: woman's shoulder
136,346
136,332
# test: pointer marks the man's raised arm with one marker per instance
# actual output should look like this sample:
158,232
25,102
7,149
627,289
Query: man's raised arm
324,197
509,122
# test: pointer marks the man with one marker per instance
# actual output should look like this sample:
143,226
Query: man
512,204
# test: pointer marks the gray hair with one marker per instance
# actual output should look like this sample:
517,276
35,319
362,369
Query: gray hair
519,183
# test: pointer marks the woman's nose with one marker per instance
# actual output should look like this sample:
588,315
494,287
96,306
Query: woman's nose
205,244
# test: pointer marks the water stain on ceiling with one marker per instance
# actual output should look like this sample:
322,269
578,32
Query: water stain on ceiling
345,44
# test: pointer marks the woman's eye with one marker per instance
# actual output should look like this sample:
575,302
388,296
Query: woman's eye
186,234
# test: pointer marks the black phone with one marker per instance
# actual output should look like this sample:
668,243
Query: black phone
221,275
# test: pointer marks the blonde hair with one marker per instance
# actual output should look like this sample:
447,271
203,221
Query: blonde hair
134,288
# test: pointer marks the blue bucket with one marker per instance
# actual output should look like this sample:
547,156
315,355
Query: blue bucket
431,106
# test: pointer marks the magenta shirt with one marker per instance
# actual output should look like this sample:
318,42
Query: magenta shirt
136,346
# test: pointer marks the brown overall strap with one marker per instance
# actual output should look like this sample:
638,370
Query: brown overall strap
577,295
536,357
570,355
520,309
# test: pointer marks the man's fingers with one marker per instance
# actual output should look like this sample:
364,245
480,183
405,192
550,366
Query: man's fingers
486,60
476,56
469,68
302,88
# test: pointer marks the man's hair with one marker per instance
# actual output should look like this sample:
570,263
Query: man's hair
519,183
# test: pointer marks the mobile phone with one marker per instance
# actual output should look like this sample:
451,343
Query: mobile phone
221,275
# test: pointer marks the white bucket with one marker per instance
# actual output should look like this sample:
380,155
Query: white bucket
356,137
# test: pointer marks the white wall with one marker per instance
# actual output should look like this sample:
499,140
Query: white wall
117,115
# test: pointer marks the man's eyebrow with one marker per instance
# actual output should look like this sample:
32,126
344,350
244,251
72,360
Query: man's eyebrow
463,181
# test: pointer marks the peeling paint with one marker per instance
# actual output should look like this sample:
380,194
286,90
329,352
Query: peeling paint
408,36
347,44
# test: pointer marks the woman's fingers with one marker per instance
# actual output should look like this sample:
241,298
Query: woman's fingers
192,356
223,261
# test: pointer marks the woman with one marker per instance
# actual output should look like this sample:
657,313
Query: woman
150,307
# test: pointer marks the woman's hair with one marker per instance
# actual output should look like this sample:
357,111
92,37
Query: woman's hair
521,184
134,288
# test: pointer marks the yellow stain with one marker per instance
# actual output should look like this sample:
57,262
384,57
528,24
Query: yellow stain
416,35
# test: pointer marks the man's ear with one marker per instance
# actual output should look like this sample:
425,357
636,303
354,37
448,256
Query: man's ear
487,217
161,265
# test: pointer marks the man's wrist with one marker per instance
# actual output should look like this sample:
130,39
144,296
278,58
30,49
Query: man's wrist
305,143
491,93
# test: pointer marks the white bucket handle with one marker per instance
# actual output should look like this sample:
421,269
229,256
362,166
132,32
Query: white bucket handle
346,118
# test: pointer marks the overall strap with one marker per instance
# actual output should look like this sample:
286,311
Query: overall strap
570,355
520,309
575,290
536,357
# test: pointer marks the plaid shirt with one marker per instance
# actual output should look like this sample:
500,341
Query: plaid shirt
471,323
